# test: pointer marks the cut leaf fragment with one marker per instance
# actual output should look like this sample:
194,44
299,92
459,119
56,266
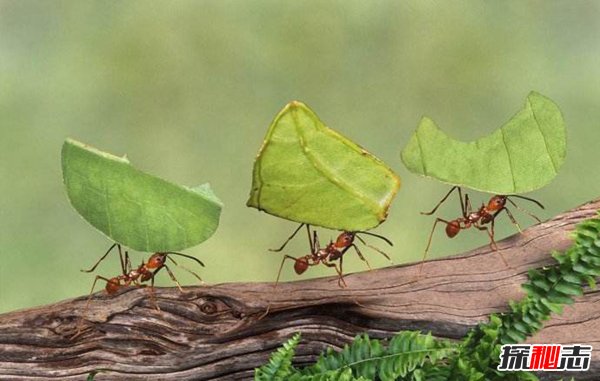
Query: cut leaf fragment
133,208
523,155
308,173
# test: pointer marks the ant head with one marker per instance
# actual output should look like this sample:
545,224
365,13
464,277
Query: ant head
496,203
301,265
344,240
156,260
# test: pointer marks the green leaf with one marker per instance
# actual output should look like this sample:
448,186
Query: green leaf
308,173
569,288
280,363
524,155
133,208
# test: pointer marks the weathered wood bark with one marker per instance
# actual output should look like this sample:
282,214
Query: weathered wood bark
214,332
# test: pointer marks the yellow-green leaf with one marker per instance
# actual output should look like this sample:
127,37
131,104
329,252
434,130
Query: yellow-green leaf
308,173
524,155
133,208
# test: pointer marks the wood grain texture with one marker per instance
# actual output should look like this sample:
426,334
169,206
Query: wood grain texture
215,332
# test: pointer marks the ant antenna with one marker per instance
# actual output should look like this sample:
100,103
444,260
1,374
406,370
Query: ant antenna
186,256
104,256
526,198
377,236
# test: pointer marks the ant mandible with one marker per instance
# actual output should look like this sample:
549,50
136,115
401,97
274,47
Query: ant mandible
485,215
143,273
332,252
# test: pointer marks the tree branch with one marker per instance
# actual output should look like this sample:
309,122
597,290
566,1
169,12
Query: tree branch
215,332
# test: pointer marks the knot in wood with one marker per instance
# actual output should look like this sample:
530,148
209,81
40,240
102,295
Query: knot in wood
209,308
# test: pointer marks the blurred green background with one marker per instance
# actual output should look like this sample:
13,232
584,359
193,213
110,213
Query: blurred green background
188,88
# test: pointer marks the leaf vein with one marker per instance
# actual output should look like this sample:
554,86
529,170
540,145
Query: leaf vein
537,123
329,175
510,164
421,153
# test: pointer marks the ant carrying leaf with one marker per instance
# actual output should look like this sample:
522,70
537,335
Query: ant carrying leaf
145,272
483,219
308,173
334,250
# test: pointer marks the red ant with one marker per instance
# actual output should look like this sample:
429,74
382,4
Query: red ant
485,215
143,273
333,251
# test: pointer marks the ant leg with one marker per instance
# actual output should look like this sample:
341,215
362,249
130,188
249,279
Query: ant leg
341,281
524,211
276,283
429,242
94,286
291,237
127,263
104,256
151,289
360,255
467,208
186,269
87,304
374,248
123,261
341,271
316,246
173,277
313,239
444,199
281,267
512,219
493,244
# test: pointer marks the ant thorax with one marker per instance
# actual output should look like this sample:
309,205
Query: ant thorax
474,216
324,253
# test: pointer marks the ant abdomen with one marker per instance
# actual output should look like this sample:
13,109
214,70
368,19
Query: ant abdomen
301,265
112,285
452,229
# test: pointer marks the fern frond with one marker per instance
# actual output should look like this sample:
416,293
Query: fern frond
371,359
279,367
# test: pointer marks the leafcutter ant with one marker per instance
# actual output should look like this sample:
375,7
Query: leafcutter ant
333,251
146,271
479,219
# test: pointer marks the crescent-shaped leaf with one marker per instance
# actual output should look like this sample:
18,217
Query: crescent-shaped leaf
133,208
524,155
308,173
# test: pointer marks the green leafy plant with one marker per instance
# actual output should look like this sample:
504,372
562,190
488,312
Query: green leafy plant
525,154
133,208
280,363
413,356
363,359
308,173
